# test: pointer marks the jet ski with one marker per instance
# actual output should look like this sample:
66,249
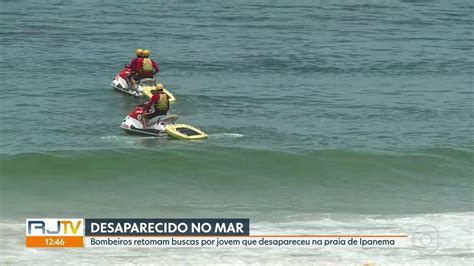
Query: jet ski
144,88
124,85
162,126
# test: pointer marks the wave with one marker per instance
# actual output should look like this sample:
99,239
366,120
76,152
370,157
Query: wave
334,164
239,181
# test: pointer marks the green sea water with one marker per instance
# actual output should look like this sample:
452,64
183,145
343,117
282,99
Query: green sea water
322,116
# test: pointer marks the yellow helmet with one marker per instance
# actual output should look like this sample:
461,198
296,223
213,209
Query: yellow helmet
146,53
139,52
159,87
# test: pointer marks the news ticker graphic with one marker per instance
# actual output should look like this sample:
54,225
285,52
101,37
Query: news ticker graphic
62,232
79,233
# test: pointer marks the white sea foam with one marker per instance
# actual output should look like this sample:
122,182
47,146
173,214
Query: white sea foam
124,138
226,135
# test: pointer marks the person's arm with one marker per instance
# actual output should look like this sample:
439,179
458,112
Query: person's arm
132,81
148,104
155,66
144,120
138,65
154,99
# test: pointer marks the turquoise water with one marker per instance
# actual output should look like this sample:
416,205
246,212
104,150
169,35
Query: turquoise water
325,117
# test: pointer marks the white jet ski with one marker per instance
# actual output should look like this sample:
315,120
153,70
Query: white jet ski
162,125
124,85
144,87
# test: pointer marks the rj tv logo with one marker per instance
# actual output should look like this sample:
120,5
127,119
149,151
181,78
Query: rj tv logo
54,227
52,232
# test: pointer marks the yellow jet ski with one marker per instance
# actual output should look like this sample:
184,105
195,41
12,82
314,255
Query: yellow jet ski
186,132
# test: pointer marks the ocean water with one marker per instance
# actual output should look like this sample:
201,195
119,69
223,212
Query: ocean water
323,117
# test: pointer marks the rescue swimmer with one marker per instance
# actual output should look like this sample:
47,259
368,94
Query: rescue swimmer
145,67
159,103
